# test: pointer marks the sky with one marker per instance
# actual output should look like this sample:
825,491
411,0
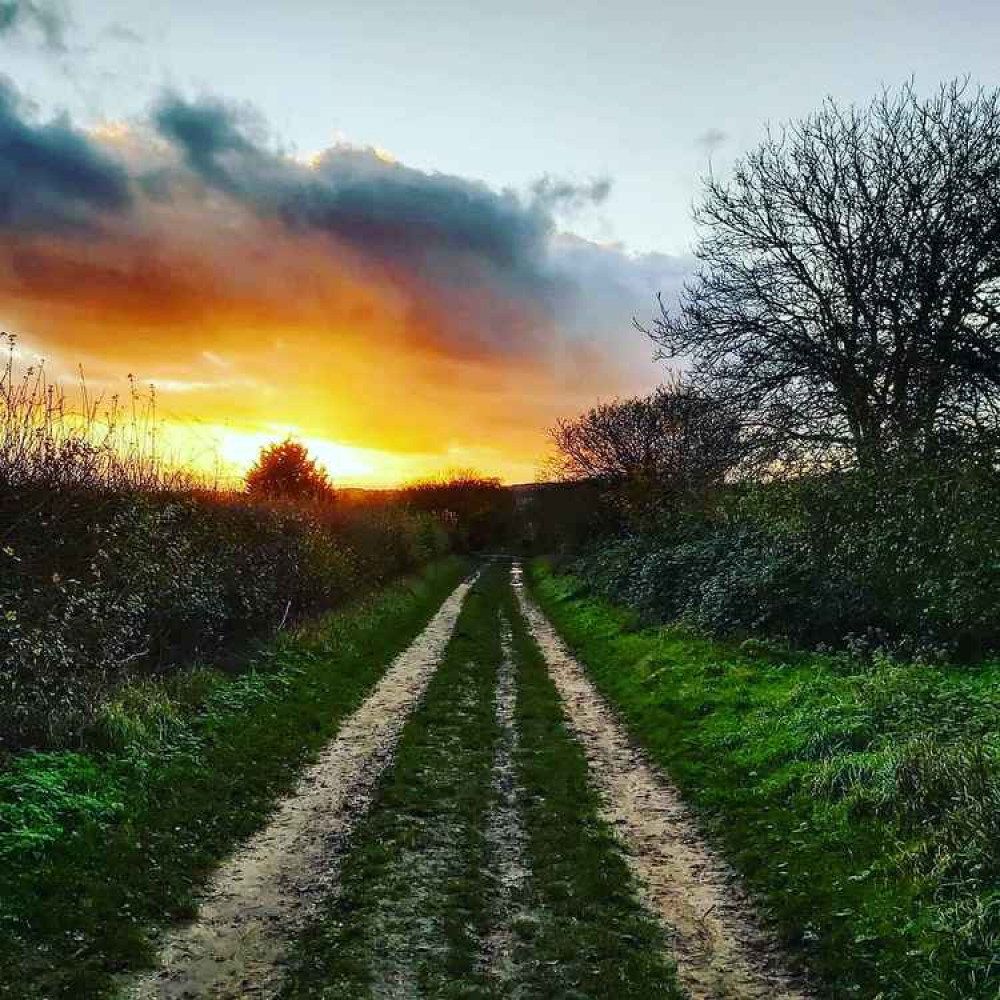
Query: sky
411,234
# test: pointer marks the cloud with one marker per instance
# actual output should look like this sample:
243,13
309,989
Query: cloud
215,142
474,262
52,177
711,139
554,194
47,19
366,201
191,236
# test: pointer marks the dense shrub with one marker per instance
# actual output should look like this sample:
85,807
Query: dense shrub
114,564
96,586
478,510
906,561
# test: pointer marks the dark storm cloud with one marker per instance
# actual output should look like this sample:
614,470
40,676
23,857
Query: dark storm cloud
366,200
214,142
437,223
52,177
46,19
200,212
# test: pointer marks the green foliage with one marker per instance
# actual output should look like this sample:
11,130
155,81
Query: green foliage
97,848
44,795
905,562
859,798
98,587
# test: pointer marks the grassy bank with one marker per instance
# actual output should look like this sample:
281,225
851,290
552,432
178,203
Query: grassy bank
98,846
862,802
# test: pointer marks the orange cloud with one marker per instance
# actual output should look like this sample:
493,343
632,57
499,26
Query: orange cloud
401,322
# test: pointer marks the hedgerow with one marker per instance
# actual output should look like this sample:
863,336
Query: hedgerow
98,587
905,562
116,565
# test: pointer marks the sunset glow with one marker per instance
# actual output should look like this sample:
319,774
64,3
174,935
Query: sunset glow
227,452
399,322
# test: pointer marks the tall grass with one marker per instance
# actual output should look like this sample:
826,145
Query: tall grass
51,438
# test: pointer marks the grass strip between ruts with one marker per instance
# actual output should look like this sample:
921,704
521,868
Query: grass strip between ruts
411,912
589,935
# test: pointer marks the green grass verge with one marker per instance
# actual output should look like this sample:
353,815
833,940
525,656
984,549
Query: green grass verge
99,846
588,936
862,803
414,889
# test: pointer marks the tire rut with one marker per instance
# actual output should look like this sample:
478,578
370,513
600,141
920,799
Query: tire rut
720,949
260,898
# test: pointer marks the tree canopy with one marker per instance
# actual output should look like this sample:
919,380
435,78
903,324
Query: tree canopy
675,440
848,299
285,471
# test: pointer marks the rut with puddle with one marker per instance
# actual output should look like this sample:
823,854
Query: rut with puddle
263,895
719,948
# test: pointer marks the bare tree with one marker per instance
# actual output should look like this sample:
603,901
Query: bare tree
849,294
675,440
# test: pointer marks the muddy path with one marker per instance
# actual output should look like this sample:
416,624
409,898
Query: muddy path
720,950
257,901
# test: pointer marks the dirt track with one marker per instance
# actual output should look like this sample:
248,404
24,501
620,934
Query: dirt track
265,894
720,950
262,895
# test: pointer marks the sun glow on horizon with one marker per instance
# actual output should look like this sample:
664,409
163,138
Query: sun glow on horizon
188,417
225,453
